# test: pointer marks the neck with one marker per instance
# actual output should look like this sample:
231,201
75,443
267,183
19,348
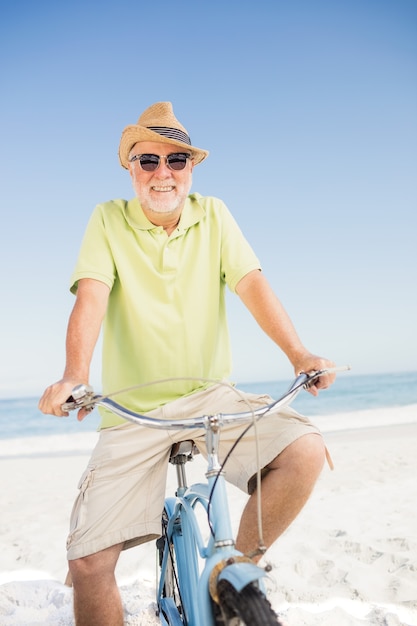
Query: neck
168,221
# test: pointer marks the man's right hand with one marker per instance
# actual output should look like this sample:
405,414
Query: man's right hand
55,395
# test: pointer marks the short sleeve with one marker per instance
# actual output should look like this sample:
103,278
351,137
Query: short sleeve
95,259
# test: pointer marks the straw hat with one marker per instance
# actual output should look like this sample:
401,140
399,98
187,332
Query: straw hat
158,123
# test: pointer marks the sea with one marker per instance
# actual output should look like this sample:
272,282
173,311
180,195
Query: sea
20,417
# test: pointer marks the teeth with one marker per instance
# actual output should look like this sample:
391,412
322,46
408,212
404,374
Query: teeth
163,188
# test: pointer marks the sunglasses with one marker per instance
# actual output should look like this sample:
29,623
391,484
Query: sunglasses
150,162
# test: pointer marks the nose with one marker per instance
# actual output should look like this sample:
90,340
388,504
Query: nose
163,169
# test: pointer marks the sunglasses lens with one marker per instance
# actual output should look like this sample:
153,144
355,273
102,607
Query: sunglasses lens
177,161
149,162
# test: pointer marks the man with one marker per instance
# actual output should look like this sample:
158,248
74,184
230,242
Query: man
153,270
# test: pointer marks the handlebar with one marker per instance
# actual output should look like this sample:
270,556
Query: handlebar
83,396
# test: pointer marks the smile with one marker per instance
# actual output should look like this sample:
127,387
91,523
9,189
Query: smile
163,189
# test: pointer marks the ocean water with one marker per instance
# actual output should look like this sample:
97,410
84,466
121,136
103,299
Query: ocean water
20,417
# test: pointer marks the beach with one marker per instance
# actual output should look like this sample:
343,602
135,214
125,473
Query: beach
350,558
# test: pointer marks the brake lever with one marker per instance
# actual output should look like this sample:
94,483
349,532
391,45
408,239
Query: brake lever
79,398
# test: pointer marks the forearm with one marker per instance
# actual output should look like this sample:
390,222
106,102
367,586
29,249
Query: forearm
84,328
259,298
82,335
256,293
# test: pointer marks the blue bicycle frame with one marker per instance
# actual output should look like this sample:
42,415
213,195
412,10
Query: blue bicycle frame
183,532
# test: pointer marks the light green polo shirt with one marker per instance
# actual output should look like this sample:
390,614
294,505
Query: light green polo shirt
166,315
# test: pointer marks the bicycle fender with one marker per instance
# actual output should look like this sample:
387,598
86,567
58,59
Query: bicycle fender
241,574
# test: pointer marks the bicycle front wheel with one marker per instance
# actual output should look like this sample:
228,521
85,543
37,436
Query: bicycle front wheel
248,607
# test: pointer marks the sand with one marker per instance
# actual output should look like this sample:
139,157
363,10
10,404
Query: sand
350,558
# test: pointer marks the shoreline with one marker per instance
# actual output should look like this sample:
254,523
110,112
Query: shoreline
352,433
82,442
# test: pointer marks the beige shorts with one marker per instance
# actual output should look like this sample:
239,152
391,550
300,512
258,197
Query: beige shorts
122,491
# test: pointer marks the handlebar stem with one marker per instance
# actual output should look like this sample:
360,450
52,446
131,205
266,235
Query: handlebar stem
212,444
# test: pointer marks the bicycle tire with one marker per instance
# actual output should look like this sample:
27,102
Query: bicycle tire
247,607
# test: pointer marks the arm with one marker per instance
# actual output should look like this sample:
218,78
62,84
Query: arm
82,334
259,298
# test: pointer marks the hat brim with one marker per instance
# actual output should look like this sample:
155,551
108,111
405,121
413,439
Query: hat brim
134,133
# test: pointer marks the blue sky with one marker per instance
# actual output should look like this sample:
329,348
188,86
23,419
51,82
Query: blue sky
309,110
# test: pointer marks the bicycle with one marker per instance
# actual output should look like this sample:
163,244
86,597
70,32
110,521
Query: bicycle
229,589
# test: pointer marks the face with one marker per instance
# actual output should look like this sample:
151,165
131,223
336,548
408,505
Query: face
164,191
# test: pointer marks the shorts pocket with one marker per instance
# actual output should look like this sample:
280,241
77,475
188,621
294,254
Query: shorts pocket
86,479
76,518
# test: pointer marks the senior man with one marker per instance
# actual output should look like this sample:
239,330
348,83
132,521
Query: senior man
153,272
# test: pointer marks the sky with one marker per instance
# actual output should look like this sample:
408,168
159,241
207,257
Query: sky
309,111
